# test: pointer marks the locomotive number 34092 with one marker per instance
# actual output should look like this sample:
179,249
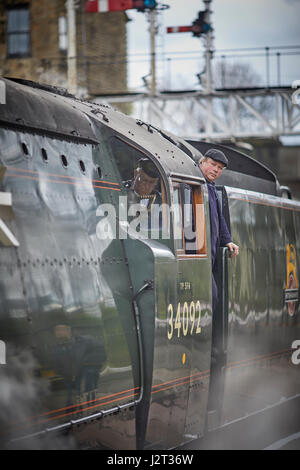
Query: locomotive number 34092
185,321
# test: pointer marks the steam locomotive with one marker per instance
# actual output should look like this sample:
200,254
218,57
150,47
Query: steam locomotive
106,327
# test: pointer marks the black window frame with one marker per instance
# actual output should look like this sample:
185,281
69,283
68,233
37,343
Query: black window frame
26,32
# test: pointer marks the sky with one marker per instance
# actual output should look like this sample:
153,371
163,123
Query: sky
236,24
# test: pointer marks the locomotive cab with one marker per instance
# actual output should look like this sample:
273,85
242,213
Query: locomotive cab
168,261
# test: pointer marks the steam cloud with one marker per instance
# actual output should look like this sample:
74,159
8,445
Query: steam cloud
20,401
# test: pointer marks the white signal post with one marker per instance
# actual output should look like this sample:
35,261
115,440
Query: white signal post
152,20
208,55
101,6
208,41
72,59
208,48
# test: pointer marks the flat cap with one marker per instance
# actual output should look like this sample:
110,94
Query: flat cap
148,167
217,155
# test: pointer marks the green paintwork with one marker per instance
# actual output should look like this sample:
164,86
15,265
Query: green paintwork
120,359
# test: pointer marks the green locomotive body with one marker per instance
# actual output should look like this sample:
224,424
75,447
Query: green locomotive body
109,321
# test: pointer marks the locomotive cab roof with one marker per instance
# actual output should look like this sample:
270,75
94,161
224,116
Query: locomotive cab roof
43,108
49,110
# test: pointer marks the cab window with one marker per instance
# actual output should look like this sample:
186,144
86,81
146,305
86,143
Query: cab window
144,189
189,220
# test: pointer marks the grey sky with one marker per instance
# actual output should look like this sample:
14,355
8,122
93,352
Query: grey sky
236,23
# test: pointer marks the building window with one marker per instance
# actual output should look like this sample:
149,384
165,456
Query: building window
18,32
62,33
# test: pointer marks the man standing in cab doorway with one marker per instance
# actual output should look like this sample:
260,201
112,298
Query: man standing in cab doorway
212,165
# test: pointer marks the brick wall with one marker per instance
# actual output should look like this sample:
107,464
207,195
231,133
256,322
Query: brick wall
101,48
